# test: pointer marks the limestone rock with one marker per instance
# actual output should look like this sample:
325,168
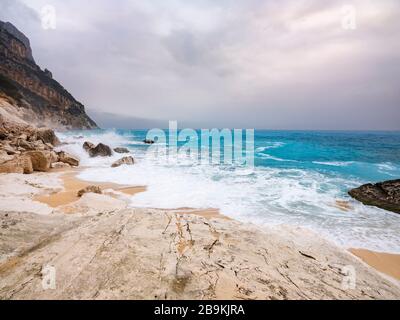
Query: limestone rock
125,160
47,136
68,158
89,189
38,97
60,165
19,164
40,160
4,156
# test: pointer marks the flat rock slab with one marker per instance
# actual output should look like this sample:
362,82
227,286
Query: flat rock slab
154,254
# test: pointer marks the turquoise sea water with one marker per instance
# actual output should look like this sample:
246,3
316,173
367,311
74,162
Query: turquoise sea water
298,179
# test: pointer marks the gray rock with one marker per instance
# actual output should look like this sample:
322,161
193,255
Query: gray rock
101,150
385,195
88,145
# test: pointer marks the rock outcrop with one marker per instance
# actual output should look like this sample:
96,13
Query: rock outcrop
68,158
24,149
36,97
385,195
101,150
125,160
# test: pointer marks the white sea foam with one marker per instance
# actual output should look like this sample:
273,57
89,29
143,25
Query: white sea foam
259,195
335,163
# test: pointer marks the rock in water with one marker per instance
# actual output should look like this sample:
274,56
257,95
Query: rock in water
125,160
88,145
88,189
148,141
385,195
121,150
100,150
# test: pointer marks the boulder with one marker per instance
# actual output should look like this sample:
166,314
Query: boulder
40,160
52,156
89,189
47,136
60,165
19,164
22,143
39,145
4,156
385,195
121,150
101,150
9,149
88,145
148,141
125,160
68,158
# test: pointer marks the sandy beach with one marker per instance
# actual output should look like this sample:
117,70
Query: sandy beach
103,249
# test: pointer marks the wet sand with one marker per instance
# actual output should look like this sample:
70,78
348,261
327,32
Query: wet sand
384,262
72,185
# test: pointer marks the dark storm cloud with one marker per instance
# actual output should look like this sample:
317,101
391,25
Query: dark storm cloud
263,64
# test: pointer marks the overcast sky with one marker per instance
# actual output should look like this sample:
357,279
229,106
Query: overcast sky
257,64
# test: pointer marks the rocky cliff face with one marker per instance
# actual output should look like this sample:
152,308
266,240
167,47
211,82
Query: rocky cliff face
40,99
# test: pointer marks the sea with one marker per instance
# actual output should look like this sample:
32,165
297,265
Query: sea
299,178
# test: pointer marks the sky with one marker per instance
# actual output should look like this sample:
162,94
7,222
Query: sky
289,64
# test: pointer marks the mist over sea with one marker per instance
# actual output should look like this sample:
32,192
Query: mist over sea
300,178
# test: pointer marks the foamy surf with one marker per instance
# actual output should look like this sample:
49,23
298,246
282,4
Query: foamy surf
264,195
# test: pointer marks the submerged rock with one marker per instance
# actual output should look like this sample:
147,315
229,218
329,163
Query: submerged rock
148,141
385,195
101,149
88,145
121,150
125,160
89,189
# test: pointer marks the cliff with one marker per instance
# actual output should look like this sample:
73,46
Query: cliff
38,98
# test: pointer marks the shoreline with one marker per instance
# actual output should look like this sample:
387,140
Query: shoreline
387,263
103,249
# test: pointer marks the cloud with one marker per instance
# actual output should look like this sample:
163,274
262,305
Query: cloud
263,64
